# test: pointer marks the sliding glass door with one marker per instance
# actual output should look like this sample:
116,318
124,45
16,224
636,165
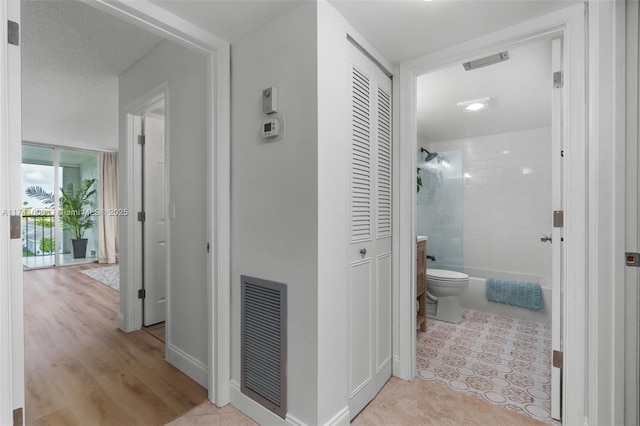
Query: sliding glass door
38,216
59,226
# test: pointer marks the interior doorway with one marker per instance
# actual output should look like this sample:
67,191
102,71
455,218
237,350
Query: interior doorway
155,211
491,176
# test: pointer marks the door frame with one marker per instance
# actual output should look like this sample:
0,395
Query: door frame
157,20
131,316
632,196
12,385
568,23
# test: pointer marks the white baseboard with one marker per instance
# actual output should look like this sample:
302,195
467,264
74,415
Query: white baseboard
343,418
263,416
252,409
188,365
121,322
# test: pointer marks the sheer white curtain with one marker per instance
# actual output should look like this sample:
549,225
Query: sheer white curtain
108,203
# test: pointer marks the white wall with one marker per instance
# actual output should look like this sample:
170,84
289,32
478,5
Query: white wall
274,192
290,198
333,214
185,73
506,201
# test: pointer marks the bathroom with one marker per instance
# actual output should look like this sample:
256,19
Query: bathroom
485,200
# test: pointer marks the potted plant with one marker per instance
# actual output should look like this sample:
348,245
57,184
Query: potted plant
74,215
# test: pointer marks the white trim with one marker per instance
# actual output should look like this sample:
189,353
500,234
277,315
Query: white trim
254,410
188,364
343,417
129,229
13,116
65,148
153,18
131,259
570,23
6,342
264,417
632,154
606,218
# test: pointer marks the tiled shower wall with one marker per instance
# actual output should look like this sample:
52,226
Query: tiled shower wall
506,201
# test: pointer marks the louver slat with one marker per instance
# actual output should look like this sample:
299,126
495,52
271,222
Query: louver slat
360,157
384,164
263,357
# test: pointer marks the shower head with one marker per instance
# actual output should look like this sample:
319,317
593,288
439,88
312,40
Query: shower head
430,155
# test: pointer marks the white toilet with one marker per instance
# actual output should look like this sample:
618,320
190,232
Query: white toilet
447,286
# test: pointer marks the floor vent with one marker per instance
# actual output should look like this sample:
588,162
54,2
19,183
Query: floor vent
264,343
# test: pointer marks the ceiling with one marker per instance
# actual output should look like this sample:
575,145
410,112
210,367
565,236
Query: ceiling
399,29
405,29
519,88
72,55
230,20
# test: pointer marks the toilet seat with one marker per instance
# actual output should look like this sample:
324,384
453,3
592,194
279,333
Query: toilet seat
445,275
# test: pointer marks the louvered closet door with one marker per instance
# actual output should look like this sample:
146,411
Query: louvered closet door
369,286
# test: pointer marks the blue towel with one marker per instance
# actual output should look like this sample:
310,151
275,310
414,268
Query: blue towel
517,293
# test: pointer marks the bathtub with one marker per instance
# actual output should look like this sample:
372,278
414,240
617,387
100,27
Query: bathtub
476,295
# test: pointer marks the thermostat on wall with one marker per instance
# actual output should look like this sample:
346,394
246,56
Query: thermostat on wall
270,128
270,100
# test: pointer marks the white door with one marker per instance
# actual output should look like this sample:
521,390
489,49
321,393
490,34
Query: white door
369,286
155,202
557,233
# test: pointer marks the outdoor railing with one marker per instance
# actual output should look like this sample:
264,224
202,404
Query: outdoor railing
38,233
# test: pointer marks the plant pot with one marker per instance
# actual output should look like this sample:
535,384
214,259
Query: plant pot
79,248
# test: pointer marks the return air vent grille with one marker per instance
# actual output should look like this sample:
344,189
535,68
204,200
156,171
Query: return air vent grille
384,164
360,157
264,342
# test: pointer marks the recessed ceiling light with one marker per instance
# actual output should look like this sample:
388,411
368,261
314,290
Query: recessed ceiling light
475,105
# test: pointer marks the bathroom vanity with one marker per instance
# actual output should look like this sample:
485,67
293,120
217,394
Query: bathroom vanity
421,283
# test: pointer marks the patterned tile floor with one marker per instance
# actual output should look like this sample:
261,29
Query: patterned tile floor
499,359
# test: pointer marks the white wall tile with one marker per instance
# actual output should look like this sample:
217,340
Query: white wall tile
505,210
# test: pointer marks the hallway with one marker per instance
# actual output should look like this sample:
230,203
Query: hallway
80,369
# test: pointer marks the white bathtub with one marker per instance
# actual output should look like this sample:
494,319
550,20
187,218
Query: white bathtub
476,296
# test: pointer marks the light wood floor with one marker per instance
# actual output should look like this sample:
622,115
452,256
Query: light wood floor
81,370
156,330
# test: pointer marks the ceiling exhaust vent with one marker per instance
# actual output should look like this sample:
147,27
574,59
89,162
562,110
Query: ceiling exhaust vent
488,60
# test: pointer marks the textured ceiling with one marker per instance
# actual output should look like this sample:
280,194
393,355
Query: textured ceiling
519,88
72,55
228,19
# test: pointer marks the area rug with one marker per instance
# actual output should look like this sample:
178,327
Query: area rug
109,276
501,360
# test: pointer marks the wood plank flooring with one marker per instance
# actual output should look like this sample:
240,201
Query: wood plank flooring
80,369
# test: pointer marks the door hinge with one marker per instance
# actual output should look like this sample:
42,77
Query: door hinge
142,293
558,79
13,36
142,216
141,139
632,259
562,153
557,359
558,219
208,247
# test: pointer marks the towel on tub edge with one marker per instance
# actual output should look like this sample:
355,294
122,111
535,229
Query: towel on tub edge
516,293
